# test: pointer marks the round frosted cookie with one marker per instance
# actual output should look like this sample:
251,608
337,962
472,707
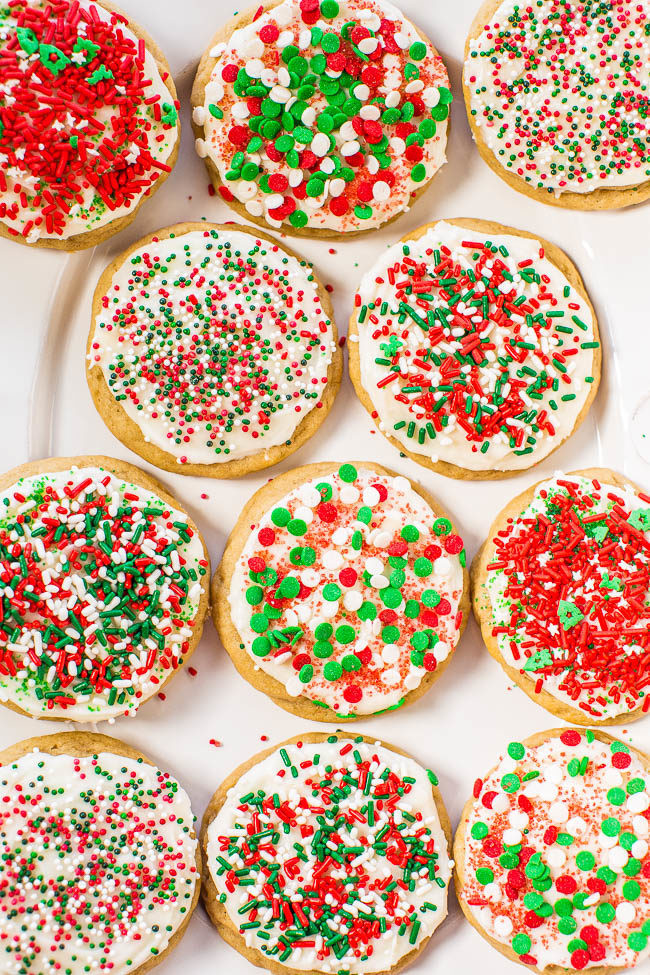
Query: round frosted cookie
557,99
89,125
474,347
342,591
321,118
105,588
551,854
100,867
213,350
345,844
561,592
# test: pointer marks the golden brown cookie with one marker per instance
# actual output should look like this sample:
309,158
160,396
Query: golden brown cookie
406,330
253,307
273,771
366,140
65,829
82,179
545,99
113,588
342,591
568,895
560,591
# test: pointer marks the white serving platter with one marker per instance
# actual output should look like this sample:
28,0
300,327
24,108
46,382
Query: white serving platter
460,727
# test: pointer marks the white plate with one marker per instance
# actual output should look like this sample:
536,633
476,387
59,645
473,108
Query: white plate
459,727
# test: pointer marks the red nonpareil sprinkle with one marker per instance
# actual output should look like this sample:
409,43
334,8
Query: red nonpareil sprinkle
216,743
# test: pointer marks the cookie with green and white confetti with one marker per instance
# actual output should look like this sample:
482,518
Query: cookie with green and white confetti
213,350
105,592
328,853
474,347
561,591
100,866
342,592
551,854
321,117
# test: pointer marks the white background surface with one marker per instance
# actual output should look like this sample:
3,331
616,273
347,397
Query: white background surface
465,721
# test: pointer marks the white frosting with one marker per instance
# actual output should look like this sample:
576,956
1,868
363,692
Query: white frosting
88,212
389,669
71,602
245,48
271,776
569,86
496,581
592,836
90,841
451,444
229,310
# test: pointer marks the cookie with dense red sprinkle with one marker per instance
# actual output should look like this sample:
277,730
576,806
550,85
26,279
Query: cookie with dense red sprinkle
212,350
109,588
561,591
557,99
321,117
98,844
551,853
474,347
342,591
345,845
89,122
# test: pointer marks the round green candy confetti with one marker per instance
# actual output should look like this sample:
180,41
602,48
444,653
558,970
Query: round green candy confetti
423,567
616,796
567,925
418,172
391,597
329,9
280,517
323,649
420,641
635,785
417,658
410,533
345,634
330,43
631,890
254,595
418,51
261,646
430,598
427,128
484,876
563,907
332,670
249,171
297,527
351,663
323,631
577,944
331,592
298,218
627,840
325,490
605,913
479,831
284,142
521,944
439,112
441,526
610,826
412,609
510,782
289,587
270,108
367,611
585,860
516,750
363,211
348,473
533,900
314,187
606,874
259,623
306,673
637,940
509,861
397,578
325,123
632,867
390,634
